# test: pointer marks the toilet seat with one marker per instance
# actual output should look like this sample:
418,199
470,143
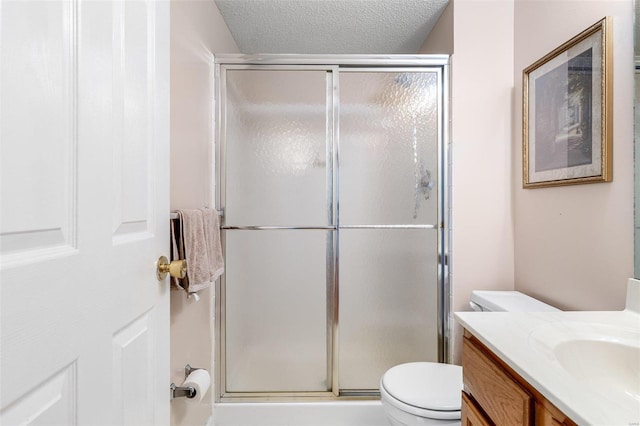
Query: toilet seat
425,389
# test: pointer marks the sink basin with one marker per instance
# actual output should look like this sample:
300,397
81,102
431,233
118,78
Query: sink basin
600,356
602,363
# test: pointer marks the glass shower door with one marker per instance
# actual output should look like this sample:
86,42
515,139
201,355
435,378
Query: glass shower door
330,179
277,193
388,224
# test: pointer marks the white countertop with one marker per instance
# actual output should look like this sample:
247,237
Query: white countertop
523,341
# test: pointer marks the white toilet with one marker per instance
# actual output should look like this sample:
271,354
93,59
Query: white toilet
428,393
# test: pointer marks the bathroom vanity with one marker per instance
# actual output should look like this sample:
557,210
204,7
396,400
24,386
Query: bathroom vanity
495,394
552,368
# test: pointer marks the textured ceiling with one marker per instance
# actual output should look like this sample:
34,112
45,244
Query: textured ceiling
330,26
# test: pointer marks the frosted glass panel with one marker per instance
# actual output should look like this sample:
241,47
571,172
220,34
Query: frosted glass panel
276,138
388,148
388,302
276,311
276,168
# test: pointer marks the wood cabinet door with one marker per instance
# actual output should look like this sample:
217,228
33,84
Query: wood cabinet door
501,397
472,415
547,415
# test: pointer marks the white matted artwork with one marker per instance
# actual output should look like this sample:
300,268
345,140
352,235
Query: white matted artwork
567,112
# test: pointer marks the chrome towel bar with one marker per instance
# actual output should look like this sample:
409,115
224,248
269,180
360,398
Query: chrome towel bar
174,215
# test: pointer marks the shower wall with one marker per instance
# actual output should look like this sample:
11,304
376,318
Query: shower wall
330,184
484,172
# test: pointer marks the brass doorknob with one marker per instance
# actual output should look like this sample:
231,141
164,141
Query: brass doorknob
177,268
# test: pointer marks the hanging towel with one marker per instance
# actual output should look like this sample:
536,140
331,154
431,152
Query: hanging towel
196,237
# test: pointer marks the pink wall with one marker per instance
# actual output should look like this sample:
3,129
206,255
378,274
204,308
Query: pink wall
574,244
481,129
197,32
440,39
569,246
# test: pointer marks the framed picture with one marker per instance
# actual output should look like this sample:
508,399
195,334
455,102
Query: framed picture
567,112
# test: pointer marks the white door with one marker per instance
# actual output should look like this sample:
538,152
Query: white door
84,212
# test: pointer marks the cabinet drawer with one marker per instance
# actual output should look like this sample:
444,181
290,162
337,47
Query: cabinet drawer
472,414
551,416
504,400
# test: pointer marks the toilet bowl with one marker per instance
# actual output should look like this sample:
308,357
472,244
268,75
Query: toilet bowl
422,393
428,393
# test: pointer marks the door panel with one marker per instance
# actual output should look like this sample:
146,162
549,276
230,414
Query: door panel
276,168
277,172
389,148
52,402
388,301
365,296
84,144
38,109
132,107
388,280
276,311
132,373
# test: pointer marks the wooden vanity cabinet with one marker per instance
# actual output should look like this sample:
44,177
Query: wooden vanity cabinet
496,395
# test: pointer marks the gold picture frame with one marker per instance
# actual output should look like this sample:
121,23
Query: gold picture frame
567,112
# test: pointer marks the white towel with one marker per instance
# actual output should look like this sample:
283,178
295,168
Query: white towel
197,239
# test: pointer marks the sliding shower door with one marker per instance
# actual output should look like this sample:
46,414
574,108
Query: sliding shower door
388,282
330,180
278,229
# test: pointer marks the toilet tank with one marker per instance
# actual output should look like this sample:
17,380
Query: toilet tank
512,301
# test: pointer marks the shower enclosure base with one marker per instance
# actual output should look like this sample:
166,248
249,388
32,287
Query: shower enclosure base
347,413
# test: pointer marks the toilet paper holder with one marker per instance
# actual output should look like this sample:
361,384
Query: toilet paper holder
188,391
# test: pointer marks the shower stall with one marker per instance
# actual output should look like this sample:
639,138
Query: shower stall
332,175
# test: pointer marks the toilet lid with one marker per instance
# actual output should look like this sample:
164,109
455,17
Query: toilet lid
427,385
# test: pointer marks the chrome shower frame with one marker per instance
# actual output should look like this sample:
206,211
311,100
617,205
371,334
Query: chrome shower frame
335,64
